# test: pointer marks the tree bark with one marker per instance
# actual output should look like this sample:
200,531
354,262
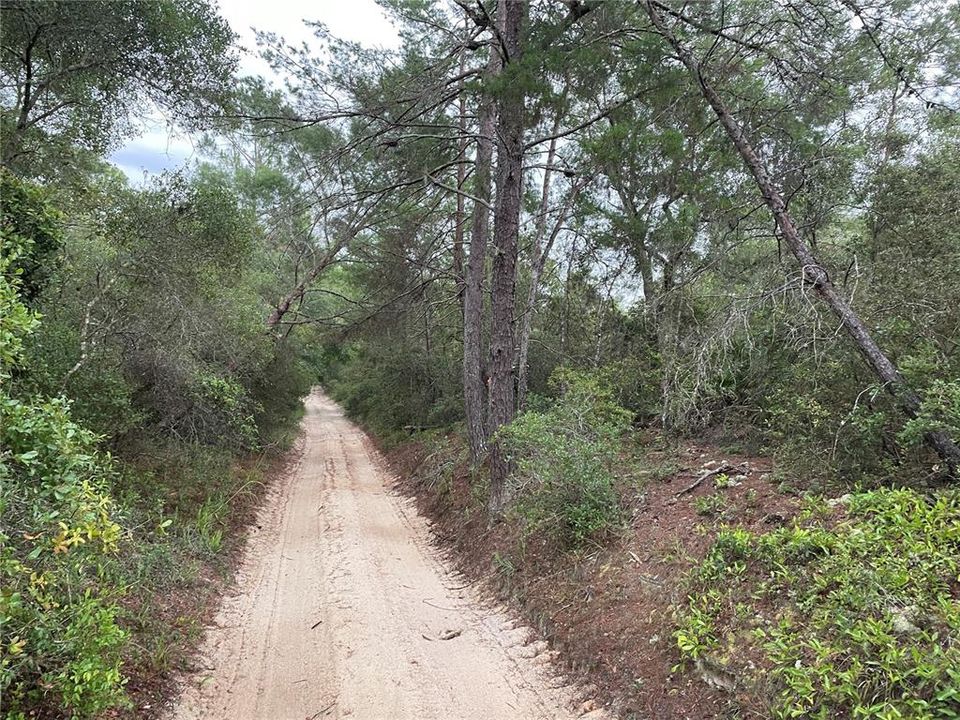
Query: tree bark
474,390
813,271
460,218
510,16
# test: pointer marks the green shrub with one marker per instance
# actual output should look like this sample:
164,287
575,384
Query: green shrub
855,618
223,411
713,505
59,642
33,226
563,484
824,428
394,389
939,411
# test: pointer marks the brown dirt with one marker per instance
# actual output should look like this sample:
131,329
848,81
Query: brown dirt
609,610
343,609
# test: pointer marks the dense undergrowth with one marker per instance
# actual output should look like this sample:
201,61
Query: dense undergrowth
114,538
851,610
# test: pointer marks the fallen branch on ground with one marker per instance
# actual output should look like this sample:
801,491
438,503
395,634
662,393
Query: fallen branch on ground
696,483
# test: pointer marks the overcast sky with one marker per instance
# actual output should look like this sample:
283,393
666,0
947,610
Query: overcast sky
362,21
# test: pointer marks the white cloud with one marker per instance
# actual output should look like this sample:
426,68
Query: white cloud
359,21
156,149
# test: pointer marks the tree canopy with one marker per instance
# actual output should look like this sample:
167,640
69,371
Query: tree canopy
77,74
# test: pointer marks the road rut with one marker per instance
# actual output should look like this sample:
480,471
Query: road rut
344,610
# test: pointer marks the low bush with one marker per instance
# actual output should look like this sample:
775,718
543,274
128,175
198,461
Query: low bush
939,412
394,390
853,609
565,454
59,639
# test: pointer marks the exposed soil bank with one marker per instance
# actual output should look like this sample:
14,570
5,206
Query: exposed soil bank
608,610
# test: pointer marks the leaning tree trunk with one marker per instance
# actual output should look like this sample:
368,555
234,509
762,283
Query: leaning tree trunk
283,307
511,15
813,270
474,395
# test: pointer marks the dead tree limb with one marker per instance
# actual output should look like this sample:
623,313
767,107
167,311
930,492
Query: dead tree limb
705,476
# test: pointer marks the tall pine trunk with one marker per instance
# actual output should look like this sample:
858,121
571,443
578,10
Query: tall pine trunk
474,391
460,219
506,227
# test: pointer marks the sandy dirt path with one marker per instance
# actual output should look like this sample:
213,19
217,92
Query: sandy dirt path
344,609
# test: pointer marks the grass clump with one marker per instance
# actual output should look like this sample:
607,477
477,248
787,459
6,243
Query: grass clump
852,616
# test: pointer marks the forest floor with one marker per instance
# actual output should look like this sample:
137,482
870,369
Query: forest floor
344,608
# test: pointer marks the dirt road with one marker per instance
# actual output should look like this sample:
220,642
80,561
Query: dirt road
343,609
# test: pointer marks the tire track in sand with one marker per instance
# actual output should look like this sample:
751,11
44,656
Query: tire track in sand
341,603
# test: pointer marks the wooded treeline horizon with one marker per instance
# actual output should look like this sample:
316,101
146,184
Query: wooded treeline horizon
729,220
